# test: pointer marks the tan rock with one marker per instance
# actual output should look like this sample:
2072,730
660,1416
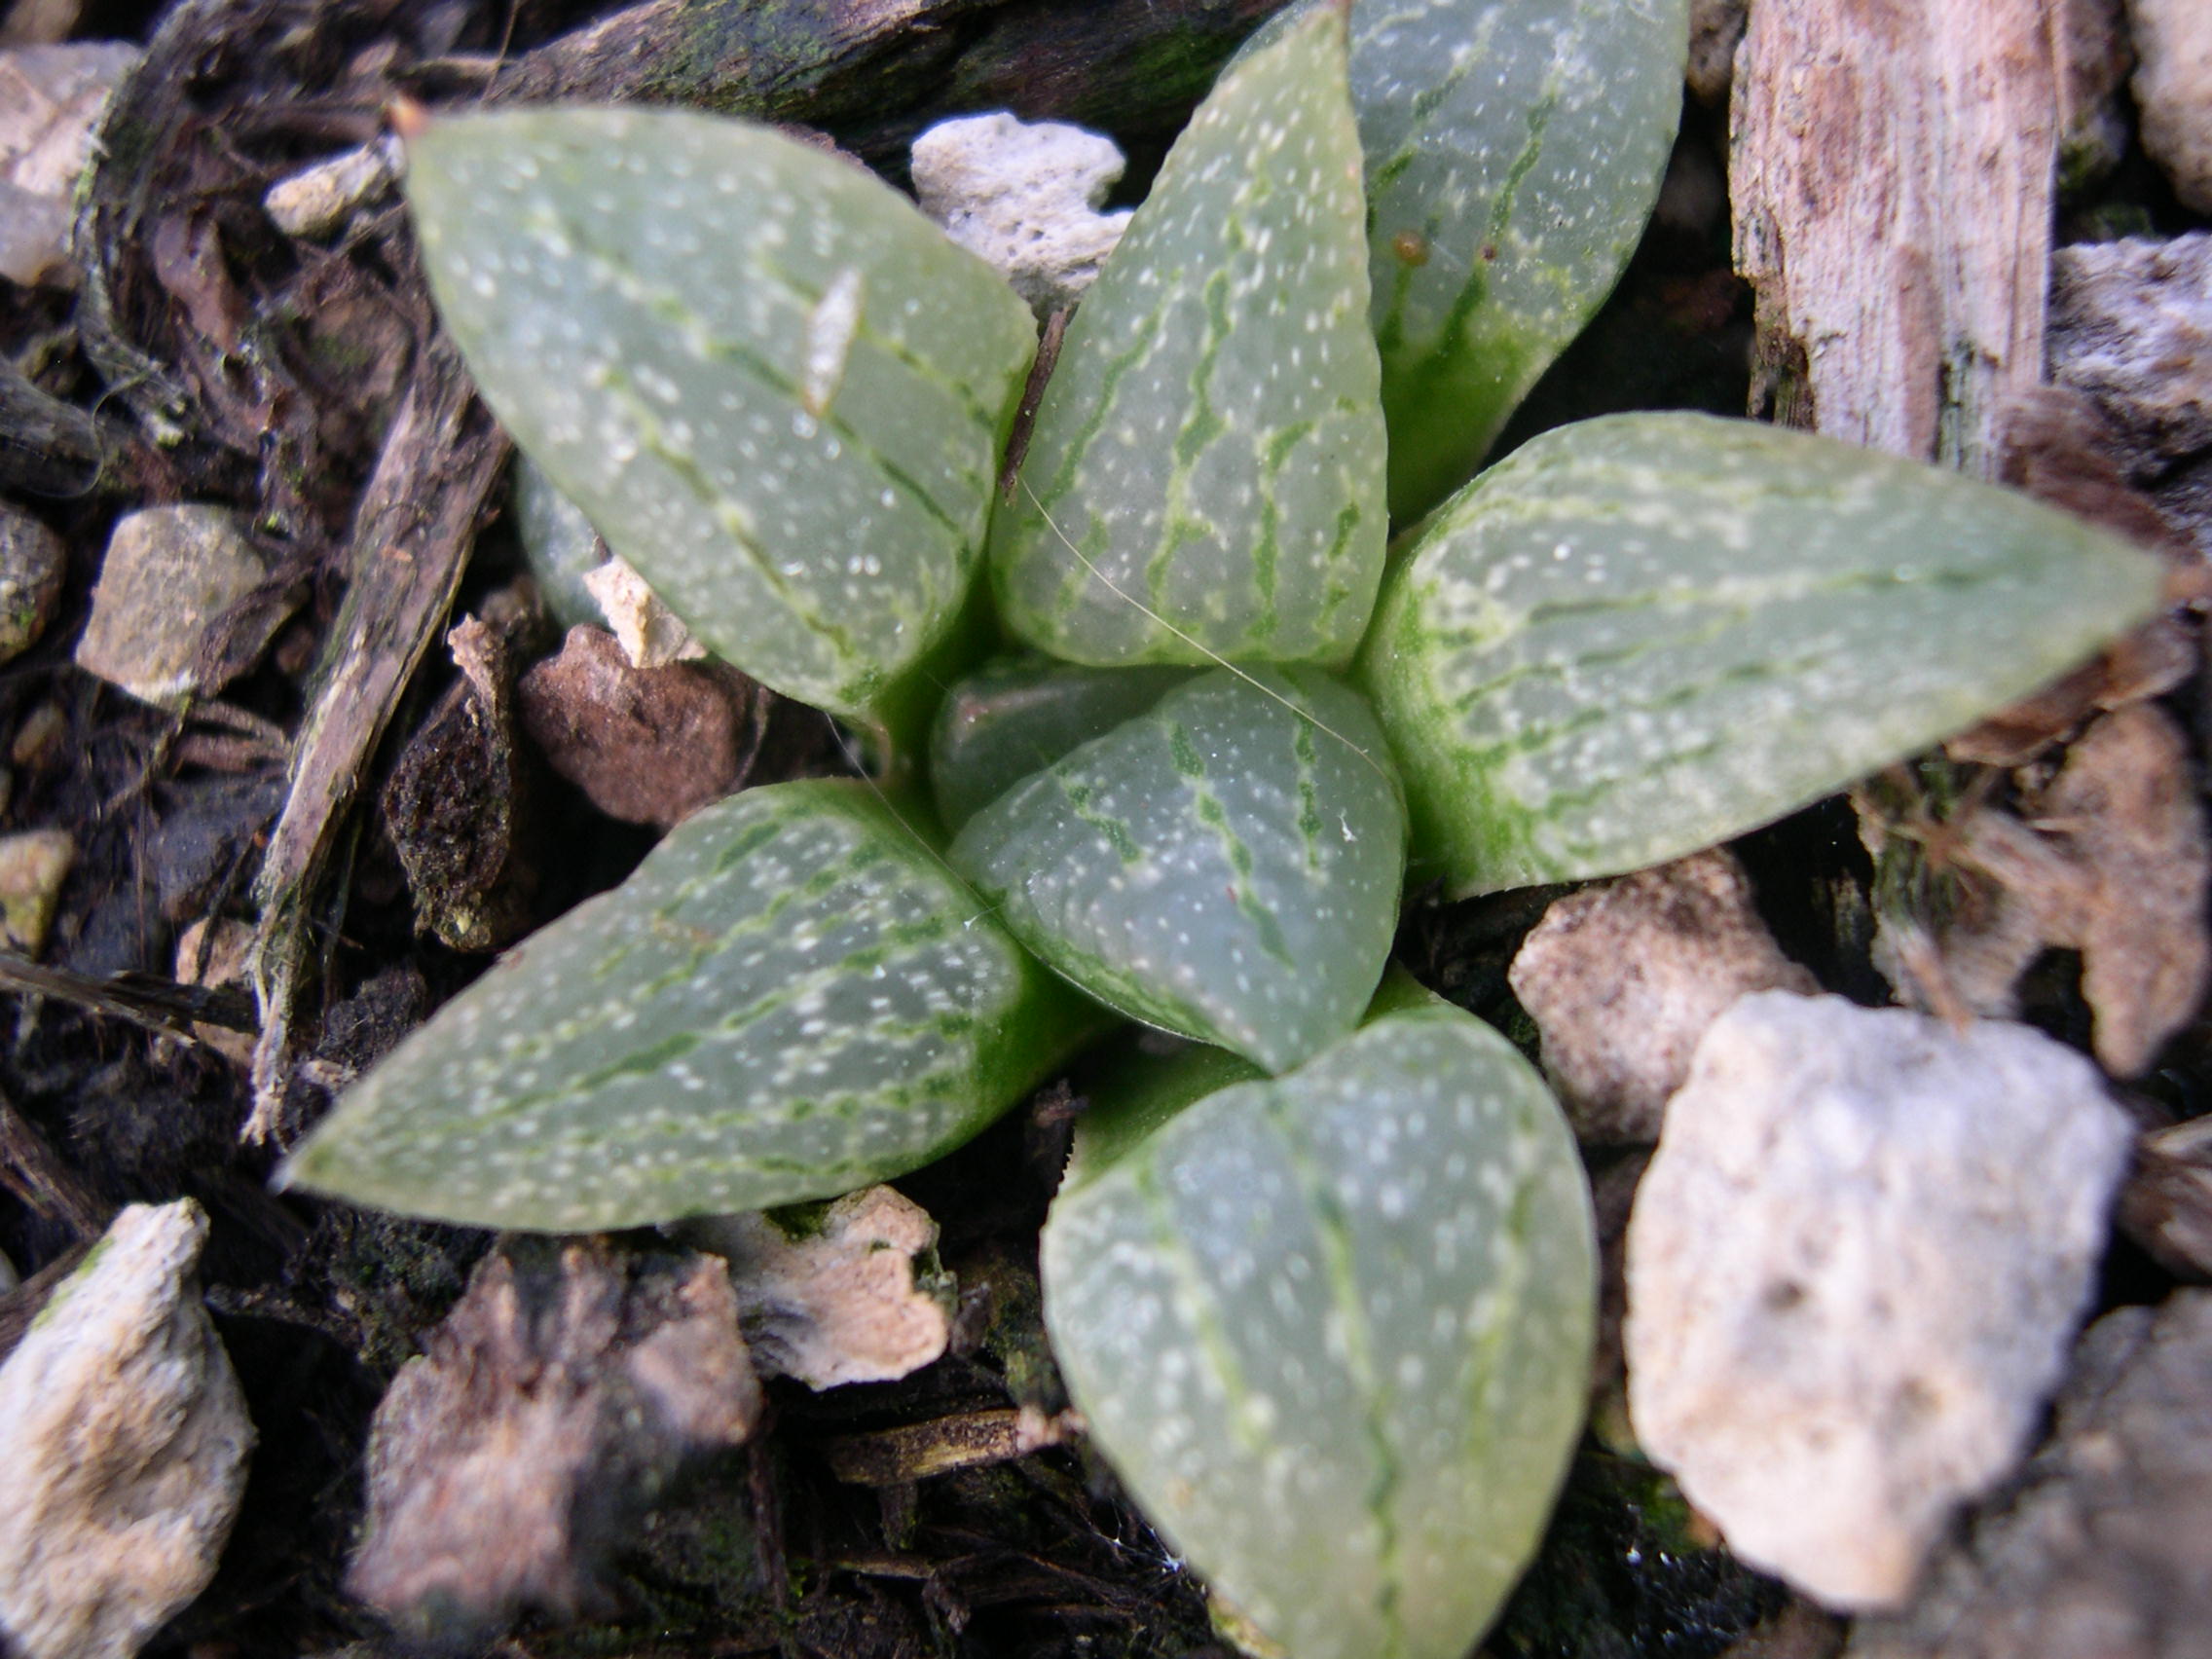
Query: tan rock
1622,980
168,573
122,1446
33,864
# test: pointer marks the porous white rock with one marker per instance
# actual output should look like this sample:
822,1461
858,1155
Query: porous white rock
122,1446
1854,1269
167,574
1623,977
2173,89
852,1296
1023,195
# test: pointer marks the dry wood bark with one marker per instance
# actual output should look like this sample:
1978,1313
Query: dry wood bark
876,70
1892,168
412,536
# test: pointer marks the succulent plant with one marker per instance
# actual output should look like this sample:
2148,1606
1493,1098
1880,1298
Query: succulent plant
1323,1285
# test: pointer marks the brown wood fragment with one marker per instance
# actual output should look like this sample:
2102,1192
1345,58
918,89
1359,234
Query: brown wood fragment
2166,1205
411,537
876,71
1892,166
29,1169
913,1452
158,1005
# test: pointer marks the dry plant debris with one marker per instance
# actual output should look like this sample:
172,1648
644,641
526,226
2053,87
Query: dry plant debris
844,1292
561,1396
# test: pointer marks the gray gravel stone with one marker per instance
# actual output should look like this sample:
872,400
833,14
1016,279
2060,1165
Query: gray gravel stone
168,573
33,564
1854,1269
2104,1549
2131,325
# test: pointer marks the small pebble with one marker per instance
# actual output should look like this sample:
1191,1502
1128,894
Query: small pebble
33,864
170,573
650,635
33,564
2131,325
1622,980
316,200
40,737
2173,89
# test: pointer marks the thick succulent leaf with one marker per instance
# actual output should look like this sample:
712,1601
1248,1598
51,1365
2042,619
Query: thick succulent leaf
777,389
1226,866
792,997
1333,1330
1513,151
1205,480
1020,714
558,544
1642,635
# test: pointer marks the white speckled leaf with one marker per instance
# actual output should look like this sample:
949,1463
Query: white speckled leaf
790,998
1020,714
1226,866
1513,151
777,389
1642,635
1209,450
1333,1330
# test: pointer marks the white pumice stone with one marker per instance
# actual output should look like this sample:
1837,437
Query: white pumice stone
1024,197
1855,1267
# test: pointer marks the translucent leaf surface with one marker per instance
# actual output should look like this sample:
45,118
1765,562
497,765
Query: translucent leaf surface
1641,635
1333,1330
1513,151
1226,866
1018,716
777,389
1205,475
790,998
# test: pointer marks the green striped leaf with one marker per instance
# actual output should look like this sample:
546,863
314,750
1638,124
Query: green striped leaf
1205,480
1020,714
1642,635
777,389
1225,867
790,998
1513,151
1333,1330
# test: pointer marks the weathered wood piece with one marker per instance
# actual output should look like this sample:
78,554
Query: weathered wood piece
1892,171
876,70
412,533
